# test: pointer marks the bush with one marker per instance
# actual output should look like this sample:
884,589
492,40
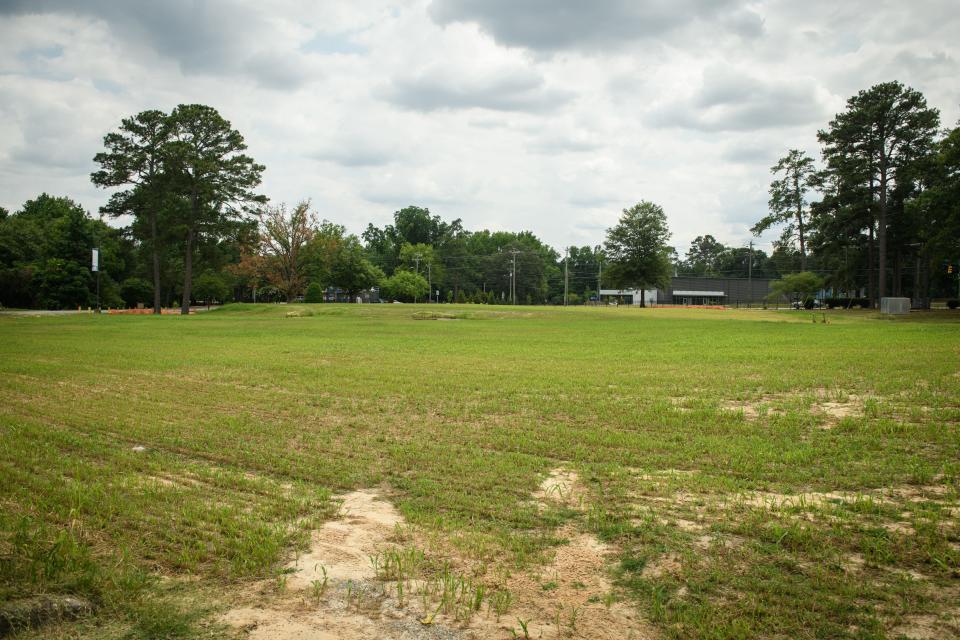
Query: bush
953,304
808,303
314,293
846,303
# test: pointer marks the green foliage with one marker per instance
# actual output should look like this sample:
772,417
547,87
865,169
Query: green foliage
45,255
405,286
320,251
788,203
136,290
875,151
212,175
351,270
284,245
803,286
210,287
314,293
637,248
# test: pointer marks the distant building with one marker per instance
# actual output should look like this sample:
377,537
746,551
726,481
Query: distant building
628,296
336,294
696,291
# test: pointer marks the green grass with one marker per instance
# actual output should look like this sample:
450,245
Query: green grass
253,416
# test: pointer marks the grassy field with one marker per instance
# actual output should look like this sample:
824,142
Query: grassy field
758,474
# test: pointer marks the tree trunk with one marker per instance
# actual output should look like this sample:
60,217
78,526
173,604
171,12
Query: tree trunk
871,276
800,232
643,297
187,274
156,263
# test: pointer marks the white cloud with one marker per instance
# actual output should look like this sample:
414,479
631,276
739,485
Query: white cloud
545,115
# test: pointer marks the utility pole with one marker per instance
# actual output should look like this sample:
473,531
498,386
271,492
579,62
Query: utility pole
599,276
566,277
95,262
750,275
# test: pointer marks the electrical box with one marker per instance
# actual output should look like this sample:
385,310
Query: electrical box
896,306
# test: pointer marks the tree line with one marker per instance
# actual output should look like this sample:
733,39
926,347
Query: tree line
879,214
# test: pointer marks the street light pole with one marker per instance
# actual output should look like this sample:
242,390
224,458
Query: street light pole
566,276
513,277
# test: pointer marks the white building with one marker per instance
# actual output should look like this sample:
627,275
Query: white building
630,296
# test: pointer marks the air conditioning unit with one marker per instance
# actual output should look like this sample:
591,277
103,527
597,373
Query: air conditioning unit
896,306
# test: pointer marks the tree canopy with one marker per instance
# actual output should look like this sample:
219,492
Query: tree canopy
637,248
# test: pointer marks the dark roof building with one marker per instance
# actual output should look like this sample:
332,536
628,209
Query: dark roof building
703,290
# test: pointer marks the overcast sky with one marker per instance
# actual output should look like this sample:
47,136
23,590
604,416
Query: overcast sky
541,115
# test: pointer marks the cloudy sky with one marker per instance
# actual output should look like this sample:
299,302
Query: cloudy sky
546,115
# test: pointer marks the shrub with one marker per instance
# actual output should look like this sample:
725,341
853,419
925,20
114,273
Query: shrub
314,293
953,304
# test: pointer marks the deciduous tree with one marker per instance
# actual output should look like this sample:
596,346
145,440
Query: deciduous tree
284,239
637,249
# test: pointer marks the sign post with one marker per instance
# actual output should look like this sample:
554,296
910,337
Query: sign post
95,265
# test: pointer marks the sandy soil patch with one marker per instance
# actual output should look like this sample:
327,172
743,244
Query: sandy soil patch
561,487
343,547
569,597
840,410
929,627
774,500
668,564
572,596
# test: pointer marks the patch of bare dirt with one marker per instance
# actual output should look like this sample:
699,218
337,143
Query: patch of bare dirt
840,410
570,596
749,410
774,500
169,480
343,547
668,564
929,627
832,404
561,487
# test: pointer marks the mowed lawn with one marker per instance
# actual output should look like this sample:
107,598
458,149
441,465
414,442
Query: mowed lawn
784,478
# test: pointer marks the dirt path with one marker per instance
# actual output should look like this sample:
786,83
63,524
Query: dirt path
338,594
